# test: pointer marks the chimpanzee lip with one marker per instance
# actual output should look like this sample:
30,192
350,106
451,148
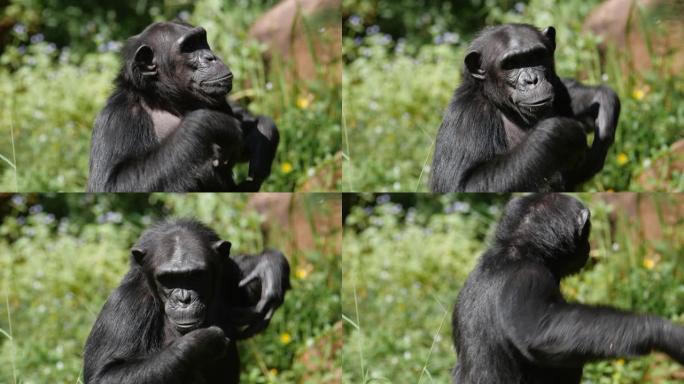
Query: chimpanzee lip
537,103
228,77
188,326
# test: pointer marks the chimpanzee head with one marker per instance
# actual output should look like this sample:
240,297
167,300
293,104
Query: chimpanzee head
173,62
514,65
183,262
550,228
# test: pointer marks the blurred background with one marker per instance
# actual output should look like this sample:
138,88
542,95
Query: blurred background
58,59
403,59
406,257
61,255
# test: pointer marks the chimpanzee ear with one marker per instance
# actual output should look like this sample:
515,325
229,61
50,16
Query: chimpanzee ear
144,59
550,33
583,220
222,247
138,255
473,62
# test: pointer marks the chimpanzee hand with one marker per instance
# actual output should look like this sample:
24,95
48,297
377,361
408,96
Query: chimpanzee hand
261,138
202,345
608,113
273,272
564,138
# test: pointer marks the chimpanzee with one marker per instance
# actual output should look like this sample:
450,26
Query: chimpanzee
181,307
513,125
512,325
168,126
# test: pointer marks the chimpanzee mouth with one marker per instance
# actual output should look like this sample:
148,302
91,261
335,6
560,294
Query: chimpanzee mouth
187,327
217,87
221,80
537,103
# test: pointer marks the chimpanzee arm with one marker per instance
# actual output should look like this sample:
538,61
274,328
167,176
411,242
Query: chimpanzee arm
126,156
472,154
549,331
261,139
181,362
599,106
263,282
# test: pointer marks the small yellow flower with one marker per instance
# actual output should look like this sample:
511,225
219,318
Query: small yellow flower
273,372
301,273
638,93
285,338
286,168
649,263
304,101
620,362
622,159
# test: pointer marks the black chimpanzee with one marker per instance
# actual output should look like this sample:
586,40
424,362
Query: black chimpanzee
180,309
512,325
513,125
168,126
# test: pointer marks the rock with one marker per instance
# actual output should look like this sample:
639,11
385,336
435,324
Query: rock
307,221
305,36
624,23
650,217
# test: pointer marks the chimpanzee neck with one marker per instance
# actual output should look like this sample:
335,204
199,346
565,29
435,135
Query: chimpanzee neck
514,132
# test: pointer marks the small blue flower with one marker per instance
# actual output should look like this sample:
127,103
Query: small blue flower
19,28
37,38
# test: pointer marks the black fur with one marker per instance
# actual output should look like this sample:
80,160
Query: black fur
135,341
197,136
512,325
490,142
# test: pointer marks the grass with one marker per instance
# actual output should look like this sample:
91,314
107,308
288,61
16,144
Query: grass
395,91
62,255
406,259
54,96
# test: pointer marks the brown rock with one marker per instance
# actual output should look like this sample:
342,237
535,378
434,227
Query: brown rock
304,36
305,221
649,217
632,25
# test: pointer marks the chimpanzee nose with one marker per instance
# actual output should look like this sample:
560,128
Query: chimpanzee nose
184,297
531,78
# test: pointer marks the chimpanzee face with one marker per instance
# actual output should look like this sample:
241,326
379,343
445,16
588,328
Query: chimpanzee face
183,271
174,60
185,291
516,65
196,63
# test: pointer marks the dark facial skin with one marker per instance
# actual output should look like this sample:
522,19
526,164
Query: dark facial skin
524,73
185,294
192,67
206,73
183,272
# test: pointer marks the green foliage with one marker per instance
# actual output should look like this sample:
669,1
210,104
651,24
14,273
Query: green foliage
416,22
404,264
388,140
54,92
62,255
